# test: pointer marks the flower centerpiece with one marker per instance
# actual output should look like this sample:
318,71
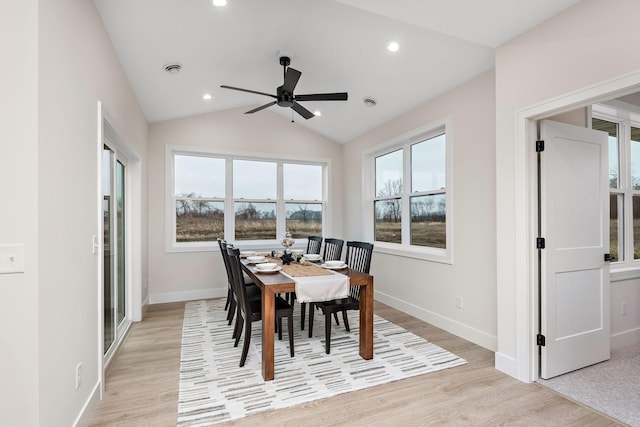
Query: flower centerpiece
287,242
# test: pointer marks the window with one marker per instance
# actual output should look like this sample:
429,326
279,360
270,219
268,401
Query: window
240,199
411,196
623,128
199,191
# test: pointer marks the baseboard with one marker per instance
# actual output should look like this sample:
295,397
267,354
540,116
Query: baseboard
89,408
506,364
161,298
625,338
476,336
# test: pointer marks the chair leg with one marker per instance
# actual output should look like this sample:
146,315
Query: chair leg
247,340
303,308
345,320
229,296
279,328
238,328
290,329
327,332
311,312
232,310
335,316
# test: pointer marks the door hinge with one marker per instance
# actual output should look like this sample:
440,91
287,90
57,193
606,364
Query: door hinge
540,243
540,340
539,146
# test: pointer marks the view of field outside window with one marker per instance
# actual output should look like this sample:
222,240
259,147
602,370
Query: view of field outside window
201,199
303,184
199,194
624,186
635,188
388,206
426,218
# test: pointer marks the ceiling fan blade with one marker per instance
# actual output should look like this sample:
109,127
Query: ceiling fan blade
291,80
247,90
339,96
261,107
302,111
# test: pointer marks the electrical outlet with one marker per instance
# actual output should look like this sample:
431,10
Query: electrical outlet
624,309
78,375
459,302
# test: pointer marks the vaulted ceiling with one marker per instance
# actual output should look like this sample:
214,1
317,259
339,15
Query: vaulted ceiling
338,45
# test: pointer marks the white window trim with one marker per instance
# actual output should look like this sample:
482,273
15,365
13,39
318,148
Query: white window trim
171,246
407,139
626,115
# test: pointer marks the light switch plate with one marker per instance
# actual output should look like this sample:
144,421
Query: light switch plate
11,259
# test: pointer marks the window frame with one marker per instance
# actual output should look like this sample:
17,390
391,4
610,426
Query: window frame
625,116
404,142
172,246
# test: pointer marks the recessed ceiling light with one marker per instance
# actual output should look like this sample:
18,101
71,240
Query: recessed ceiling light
392,46
219,3
206,96
317,113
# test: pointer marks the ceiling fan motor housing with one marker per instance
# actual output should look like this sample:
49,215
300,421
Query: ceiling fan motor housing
285,99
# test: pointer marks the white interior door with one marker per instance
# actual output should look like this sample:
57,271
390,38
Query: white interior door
574,220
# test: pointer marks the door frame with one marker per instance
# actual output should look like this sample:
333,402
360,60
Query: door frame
108,135
526,317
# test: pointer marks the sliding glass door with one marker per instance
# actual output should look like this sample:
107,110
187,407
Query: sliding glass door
114,267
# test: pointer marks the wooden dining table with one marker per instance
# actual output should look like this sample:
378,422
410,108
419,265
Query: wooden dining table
275,283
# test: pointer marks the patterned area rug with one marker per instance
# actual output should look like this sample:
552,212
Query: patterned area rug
214,389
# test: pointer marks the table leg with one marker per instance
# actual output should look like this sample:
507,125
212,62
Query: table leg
366,321
268,326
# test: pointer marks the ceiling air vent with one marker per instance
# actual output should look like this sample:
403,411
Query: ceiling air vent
173,67
369,102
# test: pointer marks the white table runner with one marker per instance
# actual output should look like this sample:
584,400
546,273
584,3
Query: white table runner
321,288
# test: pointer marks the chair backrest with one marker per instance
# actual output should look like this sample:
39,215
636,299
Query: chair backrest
313,247
237,279
358,258
225,258
332,249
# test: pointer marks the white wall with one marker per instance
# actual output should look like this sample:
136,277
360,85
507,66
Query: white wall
57,64
19,347
191,275
428,289
584,46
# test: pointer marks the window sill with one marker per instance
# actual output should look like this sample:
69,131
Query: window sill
425,254
626,272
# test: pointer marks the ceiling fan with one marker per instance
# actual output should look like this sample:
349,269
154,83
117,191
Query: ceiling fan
284,94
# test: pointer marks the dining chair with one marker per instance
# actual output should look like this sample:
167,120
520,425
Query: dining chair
314,244
250,310
332,249
226,267
252,290
358,258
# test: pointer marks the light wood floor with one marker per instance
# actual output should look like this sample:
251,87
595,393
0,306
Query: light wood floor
142,388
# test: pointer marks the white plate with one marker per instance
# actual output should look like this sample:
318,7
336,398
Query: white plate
339,267
273,270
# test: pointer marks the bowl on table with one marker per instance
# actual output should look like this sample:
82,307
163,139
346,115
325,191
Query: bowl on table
334,264
267,266
297,252
256,259
245,254
312,257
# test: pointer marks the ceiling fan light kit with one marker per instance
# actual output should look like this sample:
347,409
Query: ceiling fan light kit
285,97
